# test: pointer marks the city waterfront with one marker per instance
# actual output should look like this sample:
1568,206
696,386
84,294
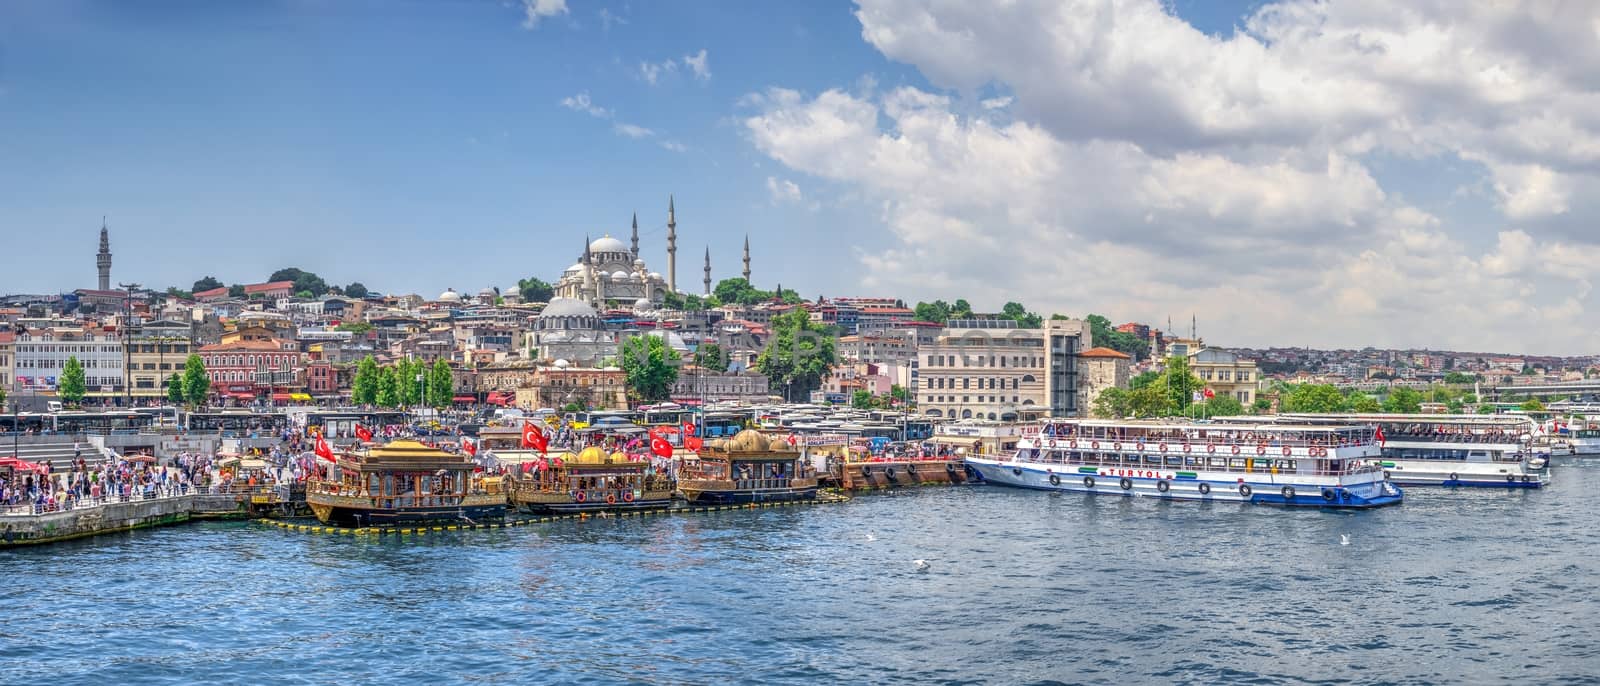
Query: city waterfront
1456,585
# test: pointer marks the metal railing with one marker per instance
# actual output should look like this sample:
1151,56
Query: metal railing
90,502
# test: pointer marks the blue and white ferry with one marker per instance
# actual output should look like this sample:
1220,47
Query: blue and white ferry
1491,451
1270,464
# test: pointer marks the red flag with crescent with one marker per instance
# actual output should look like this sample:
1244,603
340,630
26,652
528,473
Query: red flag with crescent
469,446
323,450
660,447
363,433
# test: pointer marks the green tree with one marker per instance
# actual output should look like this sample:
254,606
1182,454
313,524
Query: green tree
71,385
175,389
1178,382
354,327
937,312
388,391
196,385
798,355
651,367
1142,380
1361,403
535,290
899,393
1150,401
1531,405
1112,403
441,386
1217,406
1460,378
1019,314
863,400
407,387
1261,405
364,386
205,284
712,357
236,291
1314,398
1101,335
356,289
1402,400
3,399
960,309
303,280
1485,409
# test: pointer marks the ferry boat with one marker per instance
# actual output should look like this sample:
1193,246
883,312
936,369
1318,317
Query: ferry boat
591,480
747,468
1494,451
1583,442
1301,465
402,482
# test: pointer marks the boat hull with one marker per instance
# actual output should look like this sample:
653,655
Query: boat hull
343,516
748,496
649,500
1262,489
869,475
1465,474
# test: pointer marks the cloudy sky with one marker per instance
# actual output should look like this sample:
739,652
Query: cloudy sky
1339,173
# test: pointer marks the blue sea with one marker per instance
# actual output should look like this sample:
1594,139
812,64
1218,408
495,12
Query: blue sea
1018,587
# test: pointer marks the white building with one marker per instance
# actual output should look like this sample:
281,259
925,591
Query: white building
41,354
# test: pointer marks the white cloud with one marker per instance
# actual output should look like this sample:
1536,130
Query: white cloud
651,71
1146,170
582,103
633,131
697,64
674,146
535,10
609,19
782,191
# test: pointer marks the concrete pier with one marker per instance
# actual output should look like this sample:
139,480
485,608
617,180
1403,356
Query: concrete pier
18,530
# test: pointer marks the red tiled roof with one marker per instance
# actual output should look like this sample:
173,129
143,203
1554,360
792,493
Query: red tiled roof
213,293
265,287
245,346
1104,352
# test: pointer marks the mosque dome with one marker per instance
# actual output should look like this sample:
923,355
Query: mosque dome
638,265
449,296
642,304
562,364
655,276
607,244
487,293
619,275
567,307
576,268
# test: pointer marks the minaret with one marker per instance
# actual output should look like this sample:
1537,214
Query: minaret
102,261
747,258
672,247
589,289
708,270
636,235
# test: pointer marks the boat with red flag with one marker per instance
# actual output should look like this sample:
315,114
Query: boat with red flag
401,482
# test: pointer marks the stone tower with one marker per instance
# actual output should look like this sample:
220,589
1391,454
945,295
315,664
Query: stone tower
102,261
672,247
708,270
747,258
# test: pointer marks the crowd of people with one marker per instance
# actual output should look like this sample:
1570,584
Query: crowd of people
88,483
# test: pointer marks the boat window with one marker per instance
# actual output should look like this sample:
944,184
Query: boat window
1236,463
1174,461
1261,464
1152,460
1194,461
1286,465
1218,462
1055,455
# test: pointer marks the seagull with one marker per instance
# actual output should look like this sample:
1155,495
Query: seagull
921,565
1344,539
870,537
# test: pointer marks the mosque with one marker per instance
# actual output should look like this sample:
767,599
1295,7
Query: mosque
611,273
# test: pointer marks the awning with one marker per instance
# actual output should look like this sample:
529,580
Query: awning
300,397
280,397
499,398
466,399
241,395
19,464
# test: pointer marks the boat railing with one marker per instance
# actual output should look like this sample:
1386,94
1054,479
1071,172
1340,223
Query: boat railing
1176,443
1455,437
758,484
609,495
1302,465
91,502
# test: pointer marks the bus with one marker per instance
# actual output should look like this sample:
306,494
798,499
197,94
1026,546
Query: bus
720,424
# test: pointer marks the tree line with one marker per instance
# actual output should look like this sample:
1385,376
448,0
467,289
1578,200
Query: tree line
405,383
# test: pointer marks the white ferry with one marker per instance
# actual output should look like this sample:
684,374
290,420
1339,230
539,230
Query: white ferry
1299,465
1451,450
1583,442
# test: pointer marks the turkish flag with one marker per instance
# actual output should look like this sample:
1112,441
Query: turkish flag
660,447
793,440
530,435
688,428
1379,435
363,433
469,446
323,450
693,443
1210,393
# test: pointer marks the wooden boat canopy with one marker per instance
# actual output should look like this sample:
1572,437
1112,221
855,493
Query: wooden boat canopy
404,455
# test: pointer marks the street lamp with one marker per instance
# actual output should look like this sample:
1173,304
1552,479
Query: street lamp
127,336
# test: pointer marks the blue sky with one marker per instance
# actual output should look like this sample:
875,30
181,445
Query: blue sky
1292,173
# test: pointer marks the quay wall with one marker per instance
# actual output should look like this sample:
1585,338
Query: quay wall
20,530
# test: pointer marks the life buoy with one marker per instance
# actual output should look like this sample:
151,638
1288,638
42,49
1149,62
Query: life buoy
1116,446
1163,486
1073,444
1163,447
1244,490
1454,477
1288,493
1016,471
1187,447
627,496
1261,450
1511,478
1322,452
1052,443
1286,451
1205,489
1344,494
1236,450
889,473
1055,480
866,472
611,499
1095,445
1386,475
949,467
1126,484
1526,478
1141,446
1328,494
1211,448
1088,482
581,496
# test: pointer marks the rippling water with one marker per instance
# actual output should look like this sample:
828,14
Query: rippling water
1022,587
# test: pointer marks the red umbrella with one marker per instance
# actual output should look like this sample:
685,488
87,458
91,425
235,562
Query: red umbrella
16,464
